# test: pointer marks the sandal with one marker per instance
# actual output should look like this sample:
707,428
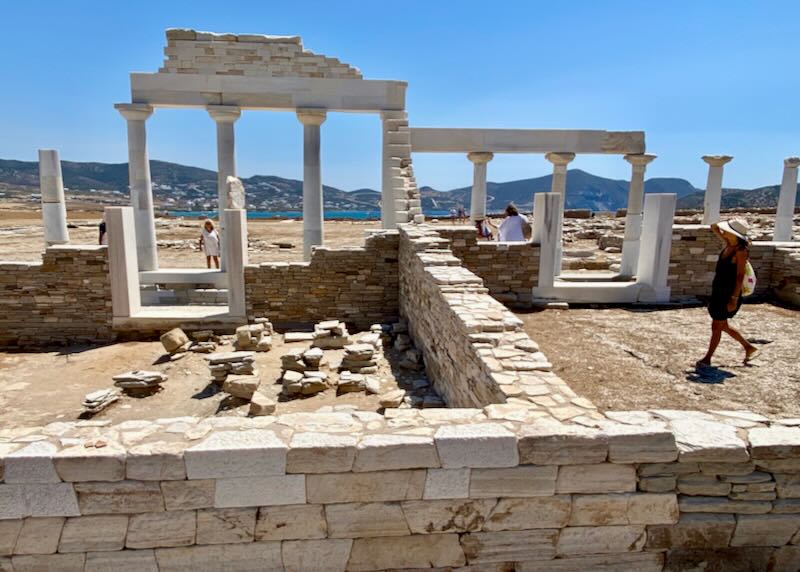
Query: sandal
752,355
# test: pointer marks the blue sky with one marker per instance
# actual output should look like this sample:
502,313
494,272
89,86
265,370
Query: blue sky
698,77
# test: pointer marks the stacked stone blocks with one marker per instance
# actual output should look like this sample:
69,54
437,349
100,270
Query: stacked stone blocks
397,147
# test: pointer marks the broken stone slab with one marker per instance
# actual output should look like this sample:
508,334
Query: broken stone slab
98,400
357,352
203,347
230,357
351,382
262,404
139,379
174,340
290,337
702,440
775,442
241,386
392,399
203,335
313,357
331,342
477,445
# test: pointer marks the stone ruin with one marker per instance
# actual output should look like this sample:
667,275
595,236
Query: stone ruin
517,472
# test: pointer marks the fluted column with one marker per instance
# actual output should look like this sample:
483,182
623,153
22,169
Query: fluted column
312,179
224,116
140,184
51,188
477,207
633,214
713,196
785,214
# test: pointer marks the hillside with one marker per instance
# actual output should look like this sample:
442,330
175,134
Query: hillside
180,187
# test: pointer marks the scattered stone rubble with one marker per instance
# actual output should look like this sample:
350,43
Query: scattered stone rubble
140,382
331,334
224,363
96,401
303,372
175,341
255,337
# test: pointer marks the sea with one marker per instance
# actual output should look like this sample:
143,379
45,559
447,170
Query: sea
328,214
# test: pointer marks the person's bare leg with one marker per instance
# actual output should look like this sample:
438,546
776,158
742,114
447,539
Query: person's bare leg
716,334
749,349
216,262
208,261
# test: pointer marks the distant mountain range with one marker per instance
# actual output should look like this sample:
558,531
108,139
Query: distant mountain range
178,187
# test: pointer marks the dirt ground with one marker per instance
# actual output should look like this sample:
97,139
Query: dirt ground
33,394
629,359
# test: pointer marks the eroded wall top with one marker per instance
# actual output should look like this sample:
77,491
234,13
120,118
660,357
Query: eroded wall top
192,52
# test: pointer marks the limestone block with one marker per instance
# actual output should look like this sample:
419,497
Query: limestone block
620,509
54,562
765,529
476,445
788,486
160,461
302,521
9,530
693,531
631,562
80,464
702,440
722,505
174,339
188,495
547,445
366,487
227,557
523,481
355,520
601,478
467,515
521,546
785,559
529,513
123,497
395,452
226,526
640,444
657,484
262,404
39,536
39,499
601,539
417,551
225,454
260,491
32,464
702,485
241,386
93,534
161,529
447,484
774,442
316,555
124,561
321,453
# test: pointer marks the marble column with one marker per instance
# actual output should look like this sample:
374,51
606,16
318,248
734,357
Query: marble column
633,214
125,294
653,266
560,162
312,179
477,207
51,187
713,196
140,184
785,214
236,253
547,223
224,116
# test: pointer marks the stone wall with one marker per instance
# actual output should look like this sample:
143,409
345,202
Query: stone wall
62,300
193,52
355,284
509,269
448,489
785,277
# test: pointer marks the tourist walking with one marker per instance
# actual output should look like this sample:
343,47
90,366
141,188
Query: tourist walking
726,288
103,236
514,226
209,243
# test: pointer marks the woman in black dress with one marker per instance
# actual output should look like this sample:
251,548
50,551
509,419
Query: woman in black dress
726,289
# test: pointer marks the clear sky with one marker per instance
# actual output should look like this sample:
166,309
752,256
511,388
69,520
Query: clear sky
700,77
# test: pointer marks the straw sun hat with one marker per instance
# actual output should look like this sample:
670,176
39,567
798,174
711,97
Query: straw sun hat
736,227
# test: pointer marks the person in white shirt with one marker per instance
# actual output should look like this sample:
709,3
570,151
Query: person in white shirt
513,227
209,242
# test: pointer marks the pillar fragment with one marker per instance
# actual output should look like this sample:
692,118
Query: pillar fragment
713,196
784,216
51,188
236,253
125,294
477,207
653,265
633,214
224,116
547,221
559,186
312,119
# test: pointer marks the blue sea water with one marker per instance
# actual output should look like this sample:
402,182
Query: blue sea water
329,215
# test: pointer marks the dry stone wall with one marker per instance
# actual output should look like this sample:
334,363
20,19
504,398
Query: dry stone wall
461,489
64,299
785,276
193,52
358,285
509,270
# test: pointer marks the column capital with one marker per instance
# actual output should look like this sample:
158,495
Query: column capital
312,116
639,159
562,159
791,162
480,157
133,111
224,113
717,160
